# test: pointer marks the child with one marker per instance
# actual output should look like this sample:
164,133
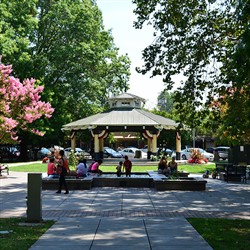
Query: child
127,165
119,169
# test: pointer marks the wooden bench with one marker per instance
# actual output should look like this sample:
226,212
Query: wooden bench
4,168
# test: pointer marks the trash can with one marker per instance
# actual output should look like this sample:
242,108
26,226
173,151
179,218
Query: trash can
138,154
34,204
216,156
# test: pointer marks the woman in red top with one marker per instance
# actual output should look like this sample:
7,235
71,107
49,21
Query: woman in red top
63,166
51,171
127,164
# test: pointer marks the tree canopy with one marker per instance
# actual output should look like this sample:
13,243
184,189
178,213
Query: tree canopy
166,101
207,42
63,44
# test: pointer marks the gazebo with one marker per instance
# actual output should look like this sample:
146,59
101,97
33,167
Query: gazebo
125,114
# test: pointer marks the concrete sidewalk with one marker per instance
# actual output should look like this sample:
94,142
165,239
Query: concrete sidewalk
126,218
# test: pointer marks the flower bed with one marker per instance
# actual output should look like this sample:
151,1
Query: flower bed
197,157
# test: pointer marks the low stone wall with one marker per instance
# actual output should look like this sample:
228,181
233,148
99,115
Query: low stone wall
73,184
187,184
155,180
123,182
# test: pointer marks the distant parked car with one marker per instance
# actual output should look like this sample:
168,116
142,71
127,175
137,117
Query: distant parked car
132,152
9,153
43,152
186,154
145,149
222,152
164,151
78,152
111,153
210,150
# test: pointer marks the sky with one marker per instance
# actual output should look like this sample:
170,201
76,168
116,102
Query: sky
119,17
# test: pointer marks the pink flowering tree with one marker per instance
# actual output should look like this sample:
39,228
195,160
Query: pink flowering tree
20,105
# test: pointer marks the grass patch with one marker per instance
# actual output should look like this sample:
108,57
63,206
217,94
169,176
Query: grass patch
20,237
197,168
35,167
191,168
224,233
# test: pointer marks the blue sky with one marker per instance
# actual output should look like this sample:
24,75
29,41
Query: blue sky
118,16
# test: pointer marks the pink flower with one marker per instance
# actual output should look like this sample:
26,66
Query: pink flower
20,104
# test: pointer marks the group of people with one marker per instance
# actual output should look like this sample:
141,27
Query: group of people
58,168
124,166
167,168
82,168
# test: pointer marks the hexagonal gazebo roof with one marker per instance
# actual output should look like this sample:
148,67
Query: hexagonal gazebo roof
125,113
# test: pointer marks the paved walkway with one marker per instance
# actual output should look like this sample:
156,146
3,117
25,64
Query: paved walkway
126,218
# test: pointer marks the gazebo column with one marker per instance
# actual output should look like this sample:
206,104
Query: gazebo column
149,148
99,137
154,144
178,146
101,146
96,147
73,140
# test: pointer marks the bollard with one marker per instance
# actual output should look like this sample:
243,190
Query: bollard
34,205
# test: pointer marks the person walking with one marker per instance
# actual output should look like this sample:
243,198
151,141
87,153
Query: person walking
127,165
63,168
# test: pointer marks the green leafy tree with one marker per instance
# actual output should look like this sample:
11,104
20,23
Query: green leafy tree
72,160
165,101
234,104
207,41
167,138
64,46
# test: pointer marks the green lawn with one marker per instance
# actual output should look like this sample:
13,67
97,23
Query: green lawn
224,233
191,168
20,237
